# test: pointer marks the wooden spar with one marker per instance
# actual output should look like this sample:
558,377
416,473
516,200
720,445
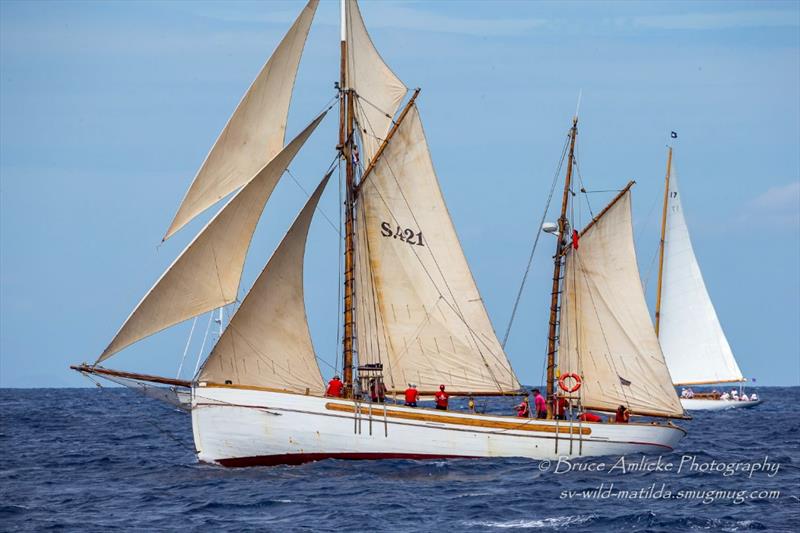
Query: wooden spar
637,413
600,215
743,380
346,148
130,375
552,334
661,245
460,393
388,138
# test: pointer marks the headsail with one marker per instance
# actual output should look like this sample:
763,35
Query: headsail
606,335
267,343
420,312
255,132
691,336
207,273
378,89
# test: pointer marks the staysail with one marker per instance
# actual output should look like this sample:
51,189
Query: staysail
420,313
267,343
207,273
379,91
255,132
691,336
606,335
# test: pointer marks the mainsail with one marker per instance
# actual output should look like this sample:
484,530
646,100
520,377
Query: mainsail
207,273
255,132
606,333
378,89
267,343
691,336
420,313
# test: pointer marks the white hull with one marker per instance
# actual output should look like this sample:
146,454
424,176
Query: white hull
239,427
706,404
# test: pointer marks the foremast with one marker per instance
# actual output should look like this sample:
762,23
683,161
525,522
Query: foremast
558,266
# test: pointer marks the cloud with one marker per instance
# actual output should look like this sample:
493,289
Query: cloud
718,21
777,205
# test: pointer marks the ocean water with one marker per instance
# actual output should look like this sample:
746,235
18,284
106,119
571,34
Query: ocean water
110,459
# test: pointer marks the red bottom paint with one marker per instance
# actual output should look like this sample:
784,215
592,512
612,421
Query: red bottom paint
300,458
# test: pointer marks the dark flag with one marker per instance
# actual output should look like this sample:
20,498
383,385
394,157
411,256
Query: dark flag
673,135
624,381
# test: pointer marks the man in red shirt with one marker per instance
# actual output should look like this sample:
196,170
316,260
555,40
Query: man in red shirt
623,415
412,395
562,404
589,417
335,387
540,404
442,398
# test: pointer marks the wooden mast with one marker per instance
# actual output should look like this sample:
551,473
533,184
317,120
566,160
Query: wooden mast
552,335
661,245
345,147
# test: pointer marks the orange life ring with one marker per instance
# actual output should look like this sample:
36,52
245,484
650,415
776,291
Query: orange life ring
563,386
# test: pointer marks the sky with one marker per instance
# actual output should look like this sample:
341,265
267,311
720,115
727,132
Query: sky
107,110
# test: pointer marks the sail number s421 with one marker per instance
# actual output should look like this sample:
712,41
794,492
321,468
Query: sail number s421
406,235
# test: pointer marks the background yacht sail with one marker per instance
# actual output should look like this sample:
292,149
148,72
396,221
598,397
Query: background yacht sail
420,312
207,273
691,336
268,343
606,335
255,132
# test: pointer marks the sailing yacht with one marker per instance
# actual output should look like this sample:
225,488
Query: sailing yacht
412,311
696,349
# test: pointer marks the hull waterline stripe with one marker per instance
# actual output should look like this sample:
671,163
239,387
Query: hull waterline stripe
300,458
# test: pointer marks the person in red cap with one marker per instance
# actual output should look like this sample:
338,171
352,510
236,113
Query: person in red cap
412,395
442,398
335,387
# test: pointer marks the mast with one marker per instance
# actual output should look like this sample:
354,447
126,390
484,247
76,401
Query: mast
557,271
345,146
661,244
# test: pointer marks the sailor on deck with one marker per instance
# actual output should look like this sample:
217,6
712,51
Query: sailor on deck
412,395
335,387
540,404
442,398
524,408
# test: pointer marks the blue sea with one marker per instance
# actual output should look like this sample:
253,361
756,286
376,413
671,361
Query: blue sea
110,459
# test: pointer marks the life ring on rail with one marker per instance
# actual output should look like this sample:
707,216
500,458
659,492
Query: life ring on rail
563,386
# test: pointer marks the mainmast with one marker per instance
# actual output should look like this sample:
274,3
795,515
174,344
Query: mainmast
346,140
558,259
661,245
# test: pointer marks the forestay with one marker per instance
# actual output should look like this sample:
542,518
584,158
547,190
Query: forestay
419,311
207,273
691,336
267,343
606,335
379,91
255,132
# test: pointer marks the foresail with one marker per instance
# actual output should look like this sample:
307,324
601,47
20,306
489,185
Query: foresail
255,132
606,335
691,336
419,311
207,273
379,92
268,343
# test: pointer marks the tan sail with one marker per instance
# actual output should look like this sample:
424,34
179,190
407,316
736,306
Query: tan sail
207,273
606,333
419,311
379,91
267,343
255,132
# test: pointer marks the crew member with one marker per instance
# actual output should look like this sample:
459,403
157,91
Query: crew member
412,395
562,404
471,404
540,404
524,408
589,417
335,387
442,398
623,415
377,390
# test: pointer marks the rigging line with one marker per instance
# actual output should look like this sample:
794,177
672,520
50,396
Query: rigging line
186,349
535,243
583,187
649,271
308,195
340,259
646,222
203,346
387,115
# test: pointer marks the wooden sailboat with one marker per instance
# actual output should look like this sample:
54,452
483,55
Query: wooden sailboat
687,326
412,311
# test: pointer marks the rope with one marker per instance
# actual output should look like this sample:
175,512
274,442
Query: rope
535,243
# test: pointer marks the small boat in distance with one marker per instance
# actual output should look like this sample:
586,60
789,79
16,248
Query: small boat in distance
412,312
691,337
